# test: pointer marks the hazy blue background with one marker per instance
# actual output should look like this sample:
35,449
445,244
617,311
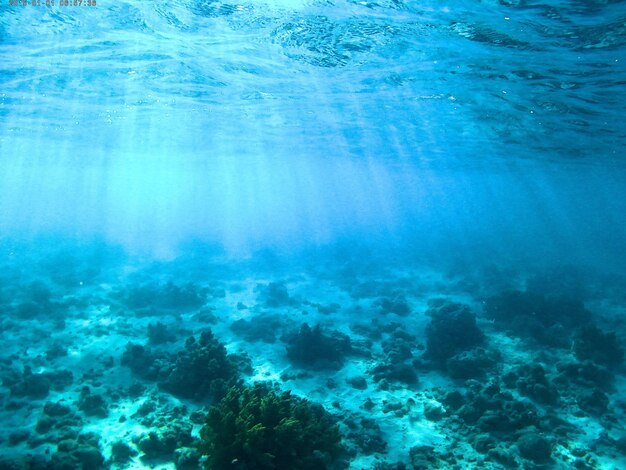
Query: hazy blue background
488,131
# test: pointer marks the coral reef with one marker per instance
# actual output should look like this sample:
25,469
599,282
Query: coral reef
160,333
312,348
591,343
333,307
161,444
57,420
275,295
397,305
535,381
493,419
547,319
472,364
260,328
36,301
532,382
201,370
167,296
397,363
583,374
262,428
365,434
452,329
36,385
121,452
92,404
386,372
82,452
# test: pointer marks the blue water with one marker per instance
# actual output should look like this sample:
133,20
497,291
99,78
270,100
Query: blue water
290,123
437,148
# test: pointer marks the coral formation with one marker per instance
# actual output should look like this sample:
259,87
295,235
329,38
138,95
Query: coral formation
201,370
315,349
92,404
534,381
82,452
397,305
275,295
36,385
167,296
260,328
365,434
260,427
160,333
472,364
591,343
452,329
547,319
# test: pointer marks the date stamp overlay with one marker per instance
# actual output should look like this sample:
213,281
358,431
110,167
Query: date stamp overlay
52,3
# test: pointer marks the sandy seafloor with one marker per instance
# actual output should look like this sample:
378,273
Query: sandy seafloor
78,318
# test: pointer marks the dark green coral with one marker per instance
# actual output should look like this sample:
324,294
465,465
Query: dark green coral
202,370
262,428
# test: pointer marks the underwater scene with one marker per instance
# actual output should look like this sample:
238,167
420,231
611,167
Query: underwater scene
312,234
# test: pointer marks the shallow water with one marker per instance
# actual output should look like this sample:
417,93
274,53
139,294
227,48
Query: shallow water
340,163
